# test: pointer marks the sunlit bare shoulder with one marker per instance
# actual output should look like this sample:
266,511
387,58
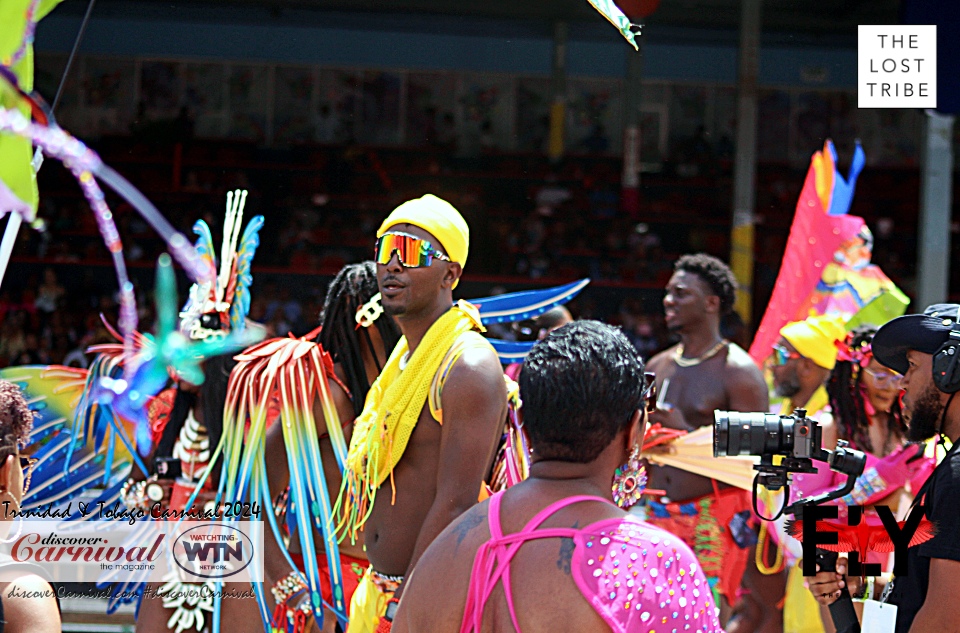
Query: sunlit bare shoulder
743,381
660,359
737,357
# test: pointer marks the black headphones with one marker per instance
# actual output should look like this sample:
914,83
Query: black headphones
946,360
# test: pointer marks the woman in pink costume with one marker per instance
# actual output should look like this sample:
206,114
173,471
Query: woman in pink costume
554,553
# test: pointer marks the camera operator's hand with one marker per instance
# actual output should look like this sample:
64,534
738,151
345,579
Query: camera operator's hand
670,417
826,585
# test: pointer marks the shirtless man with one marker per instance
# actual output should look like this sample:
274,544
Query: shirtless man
701,374
426,438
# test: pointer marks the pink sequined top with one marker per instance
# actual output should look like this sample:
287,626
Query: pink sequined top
637,577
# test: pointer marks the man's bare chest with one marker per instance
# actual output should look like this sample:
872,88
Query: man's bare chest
697,396
423,447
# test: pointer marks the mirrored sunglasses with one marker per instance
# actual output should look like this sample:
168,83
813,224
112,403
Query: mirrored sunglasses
413,252
781,356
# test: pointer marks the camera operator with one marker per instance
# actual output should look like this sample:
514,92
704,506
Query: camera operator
925,348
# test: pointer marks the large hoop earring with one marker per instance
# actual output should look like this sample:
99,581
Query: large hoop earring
629,480
19,522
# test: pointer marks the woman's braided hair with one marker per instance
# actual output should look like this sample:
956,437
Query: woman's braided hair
845,389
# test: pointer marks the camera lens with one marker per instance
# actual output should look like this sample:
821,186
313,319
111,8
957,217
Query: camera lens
737,433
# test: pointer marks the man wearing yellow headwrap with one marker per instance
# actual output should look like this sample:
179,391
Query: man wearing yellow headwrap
431,423
801,363
803,358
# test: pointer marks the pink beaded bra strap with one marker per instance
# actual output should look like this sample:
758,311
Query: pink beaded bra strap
492,562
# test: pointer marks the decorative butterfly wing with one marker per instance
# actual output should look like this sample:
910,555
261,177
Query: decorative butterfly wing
511,351
240,306
76,453
657,434
200,292
52,393
204,244
517,306
847,539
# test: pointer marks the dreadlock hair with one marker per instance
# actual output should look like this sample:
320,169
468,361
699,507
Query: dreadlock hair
845,389
16,418
353,286
715,274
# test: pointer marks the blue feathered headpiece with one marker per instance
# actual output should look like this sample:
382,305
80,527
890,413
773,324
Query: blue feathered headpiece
221,307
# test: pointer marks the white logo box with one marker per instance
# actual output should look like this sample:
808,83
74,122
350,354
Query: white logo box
897,66
116,551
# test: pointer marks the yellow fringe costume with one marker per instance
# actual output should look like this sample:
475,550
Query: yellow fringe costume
380,436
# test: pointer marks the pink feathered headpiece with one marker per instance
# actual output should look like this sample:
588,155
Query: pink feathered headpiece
859,355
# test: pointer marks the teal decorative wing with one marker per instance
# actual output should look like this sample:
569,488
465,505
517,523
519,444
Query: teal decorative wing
75,453
240,306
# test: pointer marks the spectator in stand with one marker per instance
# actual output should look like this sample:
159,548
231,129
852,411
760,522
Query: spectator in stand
327,125
13,340
447,133
49,295
487,140
285,308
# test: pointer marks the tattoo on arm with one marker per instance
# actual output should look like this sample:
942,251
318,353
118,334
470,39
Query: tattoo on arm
566,553
469,522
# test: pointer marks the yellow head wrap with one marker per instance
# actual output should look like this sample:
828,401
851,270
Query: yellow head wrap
440,218
815,338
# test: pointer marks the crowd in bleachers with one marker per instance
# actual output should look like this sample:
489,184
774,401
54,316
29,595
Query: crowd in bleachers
532,221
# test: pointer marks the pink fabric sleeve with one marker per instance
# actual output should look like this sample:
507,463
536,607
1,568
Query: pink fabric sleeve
640,578
882,476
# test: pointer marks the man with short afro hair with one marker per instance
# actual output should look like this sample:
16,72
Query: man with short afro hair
715,274
702,373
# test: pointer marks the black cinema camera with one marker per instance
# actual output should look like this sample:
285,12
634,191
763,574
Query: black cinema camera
797,440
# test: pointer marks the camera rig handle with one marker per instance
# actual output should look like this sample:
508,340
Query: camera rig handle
851,463
844,460
842,613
